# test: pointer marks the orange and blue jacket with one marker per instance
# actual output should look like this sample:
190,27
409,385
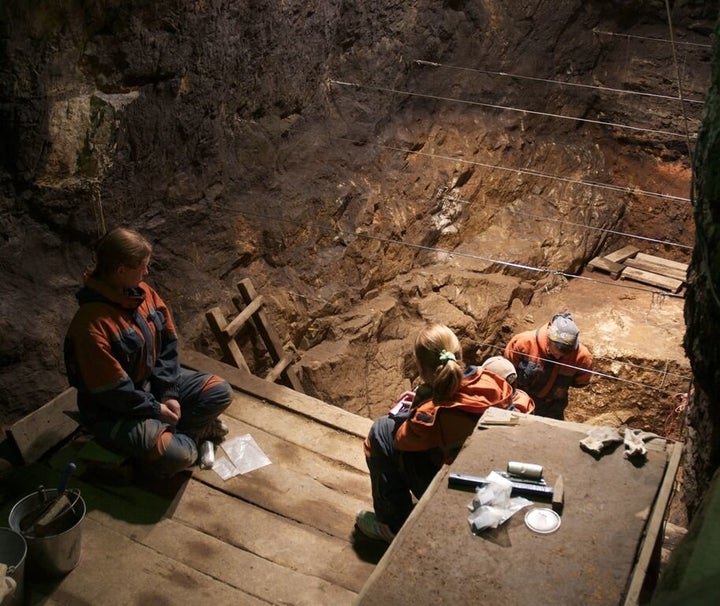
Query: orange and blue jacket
445,424
542,377
121,352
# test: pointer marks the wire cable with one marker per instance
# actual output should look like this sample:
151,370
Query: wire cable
592,372
606,89
509,108
679,80
581,225
455,253
625,189
605,33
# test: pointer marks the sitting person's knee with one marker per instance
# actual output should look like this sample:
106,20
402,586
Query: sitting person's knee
172,453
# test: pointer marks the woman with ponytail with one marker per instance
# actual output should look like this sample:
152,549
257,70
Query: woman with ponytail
405,449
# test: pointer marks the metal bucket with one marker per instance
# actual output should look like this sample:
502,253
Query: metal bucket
13,549
57,554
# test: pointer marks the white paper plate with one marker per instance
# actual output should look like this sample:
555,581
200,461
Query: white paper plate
542,520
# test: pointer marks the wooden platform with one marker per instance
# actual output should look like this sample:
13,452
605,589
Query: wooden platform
281,534
284,533
628,263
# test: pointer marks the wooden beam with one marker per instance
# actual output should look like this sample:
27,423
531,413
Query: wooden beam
602,264
231,350
280,367
280,395
239,321
654,526
620,255
268,335
646,277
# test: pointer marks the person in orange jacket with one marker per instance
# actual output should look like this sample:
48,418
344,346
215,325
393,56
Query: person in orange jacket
550,360
121,353
426,429
503,367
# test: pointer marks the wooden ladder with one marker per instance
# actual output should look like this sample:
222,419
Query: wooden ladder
249,306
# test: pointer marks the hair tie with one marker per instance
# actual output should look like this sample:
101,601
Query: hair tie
446,356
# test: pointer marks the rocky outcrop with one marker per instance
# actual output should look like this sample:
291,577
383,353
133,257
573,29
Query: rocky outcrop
703,305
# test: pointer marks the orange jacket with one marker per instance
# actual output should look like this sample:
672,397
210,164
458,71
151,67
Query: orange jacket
121,352
445,424
541,376
522,402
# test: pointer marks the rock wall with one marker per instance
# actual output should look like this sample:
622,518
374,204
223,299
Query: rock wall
703,304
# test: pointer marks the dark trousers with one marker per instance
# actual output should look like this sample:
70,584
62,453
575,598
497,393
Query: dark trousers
202,398
396,475
553,408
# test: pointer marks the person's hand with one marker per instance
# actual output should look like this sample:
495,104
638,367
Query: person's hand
170,411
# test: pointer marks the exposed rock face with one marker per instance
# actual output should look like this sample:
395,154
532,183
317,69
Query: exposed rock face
703,305
369,165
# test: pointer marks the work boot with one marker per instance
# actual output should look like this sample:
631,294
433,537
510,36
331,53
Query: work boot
371,527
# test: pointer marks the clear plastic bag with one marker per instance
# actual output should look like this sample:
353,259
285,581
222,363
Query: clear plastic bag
492,504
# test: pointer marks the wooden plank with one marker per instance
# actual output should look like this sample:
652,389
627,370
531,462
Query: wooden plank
116,570
656,268
280,395
330,467
228,560
273,537
267,333
239,321
646,277
603,264
683,267
620,255
301,431
45,427
231,350
654,526
674,269
295,496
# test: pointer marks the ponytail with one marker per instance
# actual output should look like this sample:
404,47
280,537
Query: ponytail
439,358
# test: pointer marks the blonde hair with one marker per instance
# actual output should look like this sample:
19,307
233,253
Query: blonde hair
439,358
120,246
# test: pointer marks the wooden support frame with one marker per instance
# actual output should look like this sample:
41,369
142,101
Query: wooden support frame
249,306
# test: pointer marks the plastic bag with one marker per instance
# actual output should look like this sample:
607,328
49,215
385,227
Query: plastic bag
492,504
243,456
